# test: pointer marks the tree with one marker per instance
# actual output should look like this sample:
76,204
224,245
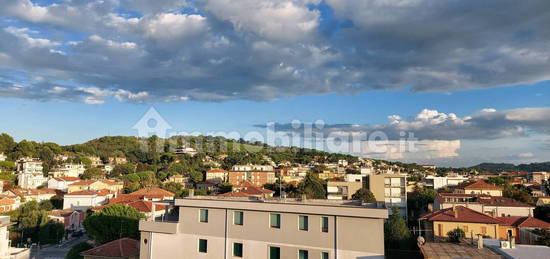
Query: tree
46,205
312,187
419,200
455,235
92,173
196,176
75,251
114,222
51,232
225,187
396,233
123,169
365,195
175,188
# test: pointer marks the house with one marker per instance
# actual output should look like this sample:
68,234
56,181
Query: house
253,190
540,177
438,182
35,194
3,157
124,248
61,183
95,185
255,177
338,190
9,202
494,206
185,150
217,175
258,228
152,194
479,187
68,170
178,179
207,186
96,161
117,160
82,200
30,174
439,223
70,218
519,226
543,201
144,206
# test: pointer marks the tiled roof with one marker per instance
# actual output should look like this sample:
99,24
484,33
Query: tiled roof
66,178
481,184
483,199
61,213
123,247
83,182
26,192
84,192
217,170
253,190
525,222
460,214
133,201
152,193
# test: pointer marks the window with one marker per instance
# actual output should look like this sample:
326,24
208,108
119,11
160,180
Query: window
302,254
275,220
324,255
203,245
203,215
238,249
238,218
465,228
274,252
303,223
483,230
324,224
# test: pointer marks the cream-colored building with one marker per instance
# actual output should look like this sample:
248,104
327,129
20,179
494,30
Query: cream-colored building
216,227
390,190
480,186
342,190
95,185
29,172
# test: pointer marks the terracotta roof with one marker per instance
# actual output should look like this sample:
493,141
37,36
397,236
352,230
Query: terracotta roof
61,213
133,201
123,247
109,182
525,222
234,194
481,184
483,199
25,192
83,182
253,190
462,214
84,192
153,193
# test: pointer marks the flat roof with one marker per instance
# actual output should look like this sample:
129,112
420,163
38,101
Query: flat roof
343,208
452,250
520,252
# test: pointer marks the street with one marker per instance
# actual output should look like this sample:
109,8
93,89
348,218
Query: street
56,251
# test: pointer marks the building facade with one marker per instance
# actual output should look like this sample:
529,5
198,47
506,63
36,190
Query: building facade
390,190
30,174
342,190
217,228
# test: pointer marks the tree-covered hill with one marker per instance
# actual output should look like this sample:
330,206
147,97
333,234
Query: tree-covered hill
501,167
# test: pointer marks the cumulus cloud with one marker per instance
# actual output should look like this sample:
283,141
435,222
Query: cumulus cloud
218,50
434,125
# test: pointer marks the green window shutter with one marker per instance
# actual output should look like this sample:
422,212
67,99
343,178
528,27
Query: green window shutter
274,252
203,245
238,249
303,223
238,218
324,224
303,254
275,220
203,215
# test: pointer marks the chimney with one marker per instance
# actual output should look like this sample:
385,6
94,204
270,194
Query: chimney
191,192
455,210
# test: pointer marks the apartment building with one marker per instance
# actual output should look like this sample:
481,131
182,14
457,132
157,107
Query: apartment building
494,206
390,190
216,175
29,172
338,190
480,186
231,227
438,182
68,170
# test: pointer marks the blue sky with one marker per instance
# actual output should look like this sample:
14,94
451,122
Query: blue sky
473,89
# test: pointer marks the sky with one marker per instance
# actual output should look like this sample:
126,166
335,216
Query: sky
470,80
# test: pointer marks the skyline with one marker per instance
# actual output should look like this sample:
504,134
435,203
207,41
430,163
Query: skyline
84,70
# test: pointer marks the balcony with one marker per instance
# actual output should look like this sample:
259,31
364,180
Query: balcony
159,226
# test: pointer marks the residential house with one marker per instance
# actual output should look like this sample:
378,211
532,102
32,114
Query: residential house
253,190
265,228
9,202
390,190
217,175
70,218
147,207
35,194
68,170
255,177
82,200
543,201
152,194
520,227
438,182
124,248
540,177
95,185
339,190
3,157
439,223
494,206
177,179
117,160
61,183
30,174
480,186
206,186
96,161
185,150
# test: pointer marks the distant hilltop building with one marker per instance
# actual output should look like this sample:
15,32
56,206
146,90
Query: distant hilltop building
3,157
185,150
68,170
255,174
30,174
433,167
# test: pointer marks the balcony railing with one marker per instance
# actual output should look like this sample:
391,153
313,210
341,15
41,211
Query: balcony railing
159,226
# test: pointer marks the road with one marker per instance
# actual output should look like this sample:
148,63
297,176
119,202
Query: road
55,251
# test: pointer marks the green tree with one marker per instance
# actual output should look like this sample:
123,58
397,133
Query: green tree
175,188
396,233
196,176
75,251
312,187
6,143
455,235
51,232
225,187
123,169
114,222
365,195
93,173
46,205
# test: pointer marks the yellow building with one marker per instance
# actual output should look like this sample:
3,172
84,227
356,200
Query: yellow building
480,187
95,185
439,223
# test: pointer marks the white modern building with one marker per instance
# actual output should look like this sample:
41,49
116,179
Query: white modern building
3,157
61,183
29,172
82,200
437,182
7,252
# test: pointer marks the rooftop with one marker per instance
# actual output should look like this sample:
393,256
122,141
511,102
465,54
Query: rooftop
451,250
123,247
480,184
460,214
